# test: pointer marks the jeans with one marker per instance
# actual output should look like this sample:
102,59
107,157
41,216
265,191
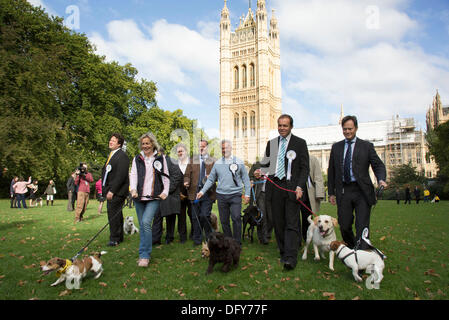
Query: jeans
21,197
145,213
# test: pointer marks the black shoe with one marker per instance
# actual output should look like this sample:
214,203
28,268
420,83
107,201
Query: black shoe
113,244
288,266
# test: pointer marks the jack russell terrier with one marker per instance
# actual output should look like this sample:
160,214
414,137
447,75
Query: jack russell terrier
369,260
73,272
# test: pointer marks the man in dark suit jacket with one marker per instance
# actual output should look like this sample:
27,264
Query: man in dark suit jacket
291,173
200,211
349,183
115,177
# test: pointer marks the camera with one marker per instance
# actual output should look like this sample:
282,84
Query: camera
81,170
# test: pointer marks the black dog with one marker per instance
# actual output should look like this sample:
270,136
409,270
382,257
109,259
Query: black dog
251,216
222,249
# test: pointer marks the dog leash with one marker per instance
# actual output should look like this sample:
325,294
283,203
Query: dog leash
104,227
288,190
196,208
253,193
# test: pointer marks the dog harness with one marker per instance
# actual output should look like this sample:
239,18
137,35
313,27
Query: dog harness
353,252
61,271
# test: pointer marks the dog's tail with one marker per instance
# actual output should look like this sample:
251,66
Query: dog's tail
99,254
310,219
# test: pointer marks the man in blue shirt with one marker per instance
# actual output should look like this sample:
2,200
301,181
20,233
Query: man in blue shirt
231,174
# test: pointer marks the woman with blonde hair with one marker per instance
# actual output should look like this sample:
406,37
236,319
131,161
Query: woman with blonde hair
149,183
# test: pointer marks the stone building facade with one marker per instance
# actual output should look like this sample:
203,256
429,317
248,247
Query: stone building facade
250,80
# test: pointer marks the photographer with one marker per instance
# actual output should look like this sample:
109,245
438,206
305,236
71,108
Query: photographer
82,180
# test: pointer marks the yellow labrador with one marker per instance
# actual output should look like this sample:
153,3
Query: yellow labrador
321,233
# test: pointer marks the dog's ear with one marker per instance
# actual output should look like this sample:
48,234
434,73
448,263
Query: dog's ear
60,262
315,220
335,222
334,245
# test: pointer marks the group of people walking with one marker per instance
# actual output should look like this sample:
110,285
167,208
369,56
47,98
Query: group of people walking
417,194
285,182
286,185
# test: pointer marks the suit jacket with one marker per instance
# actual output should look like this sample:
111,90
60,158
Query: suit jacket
315,190
192,175
299,167
117,180
364,155
172,205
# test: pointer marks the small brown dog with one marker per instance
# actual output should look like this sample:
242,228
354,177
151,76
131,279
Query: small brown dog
222,249
73,272
205,250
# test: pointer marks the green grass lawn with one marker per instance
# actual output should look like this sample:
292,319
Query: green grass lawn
414,238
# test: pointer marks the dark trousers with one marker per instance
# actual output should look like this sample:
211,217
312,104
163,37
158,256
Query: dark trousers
201,218
186,209
158,229
353,200
230,206
14,200
115,218
286,223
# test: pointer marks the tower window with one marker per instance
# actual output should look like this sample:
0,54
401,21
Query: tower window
244,77
236,125
236,77
252,81
253,124
245,124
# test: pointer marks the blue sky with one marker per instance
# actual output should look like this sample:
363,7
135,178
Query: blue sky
377,58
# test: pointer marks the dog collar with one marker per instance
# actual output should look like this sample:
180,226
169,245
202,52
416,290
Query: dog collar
68,263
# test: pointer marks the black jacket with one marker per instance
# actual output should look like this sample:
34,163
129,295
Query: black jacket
172,205
364,155
117,180
299,167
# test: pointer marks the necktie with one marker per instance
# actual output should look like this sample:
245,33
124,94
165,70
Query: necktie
347,165
202,172
280,172
109,158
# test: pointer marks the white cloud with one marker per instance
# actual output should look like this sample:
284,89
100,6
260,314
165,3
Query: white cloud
341,25
186,98
163,52
329,58
40,3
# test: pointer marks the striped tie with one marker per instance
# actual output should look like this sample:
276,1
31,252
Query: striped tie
280,172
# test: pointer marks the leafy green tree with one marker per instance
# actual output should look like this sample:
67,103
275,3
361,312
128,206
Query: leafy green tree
438,140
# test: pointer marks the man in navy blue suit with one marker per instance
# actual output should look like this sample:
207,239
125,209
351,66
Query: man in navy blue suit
349,184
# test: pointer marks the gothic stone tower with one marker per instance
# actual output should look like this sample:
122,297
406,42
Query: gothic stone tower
250,81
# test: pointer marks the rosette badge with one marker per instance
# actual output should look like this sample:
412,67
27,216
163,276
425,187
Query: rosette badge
291,155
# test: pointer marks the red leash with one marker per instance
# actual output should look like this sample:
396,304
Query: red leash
288,190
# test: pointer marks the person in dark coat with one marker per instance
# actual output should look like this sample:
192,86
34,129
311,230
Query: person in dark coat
71,194
349,184
417,194
170,207
287,160
408,196
115,187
